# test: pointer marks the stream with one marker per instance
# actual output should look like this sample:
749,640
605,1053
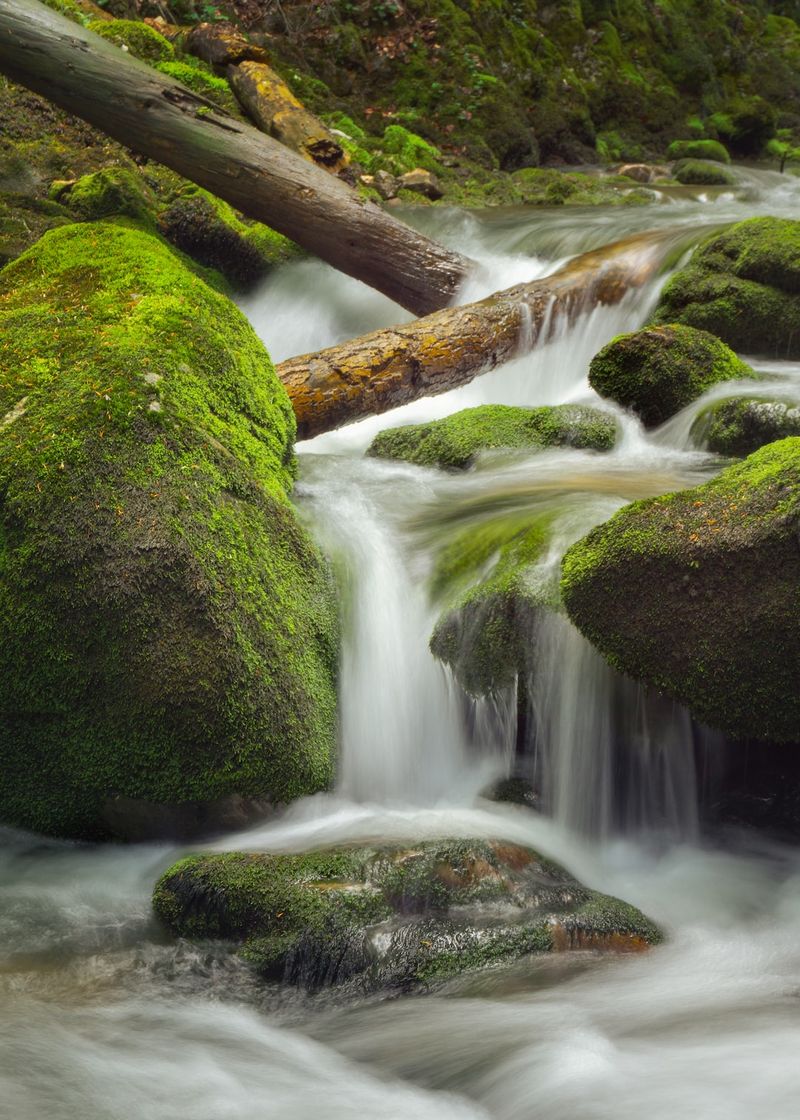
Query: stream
104,1017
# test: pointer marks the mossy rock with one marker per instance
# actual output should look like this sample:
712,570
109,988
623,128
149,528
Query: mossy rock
742,285
394,917
454,442
112,192
698,594
139,39
698,172
169,633
739,427
698,149
657,371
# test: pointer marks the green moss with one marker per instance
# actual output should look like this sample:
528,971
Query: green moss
194,74
743,285
698,150
168,632
696,593
657,371
740,426
139,39
702,173
409,150
439,908
113,192
453,443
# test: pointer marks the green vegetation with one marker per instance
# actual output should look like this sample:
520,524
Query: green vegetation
169,634
307,919
698,149
657,371
200,79
696,593
454,442
739,427
137,38
696,172
742,285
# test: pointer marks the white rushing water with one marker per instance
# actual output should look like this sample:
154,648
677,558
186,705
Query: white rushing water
103,1018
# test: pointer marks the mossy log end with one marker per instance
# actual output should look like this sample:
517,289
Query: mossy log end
156,116
395,365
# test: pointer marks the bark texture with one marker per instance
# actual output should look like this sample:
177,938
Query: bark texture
390,367
158,117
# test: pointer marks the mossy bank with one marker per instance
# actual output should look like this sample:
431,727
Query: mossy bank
168,631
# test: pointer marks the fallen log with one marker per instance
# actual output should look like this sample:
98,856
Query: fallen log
395,365
269,102
156,116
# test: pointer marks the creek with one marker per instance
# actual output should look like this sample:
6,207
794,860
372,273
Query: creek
103,1017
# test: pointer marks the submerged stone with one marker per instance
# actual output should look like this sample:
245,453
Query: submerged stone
742,285
392,917
168,632
657,371
739,427
697,594
455,441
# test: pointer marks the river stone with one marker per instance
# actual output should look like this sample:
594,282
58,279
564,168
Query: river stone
657,371
454,442
741,426
742,285
700,172
168,630
395,917
698,594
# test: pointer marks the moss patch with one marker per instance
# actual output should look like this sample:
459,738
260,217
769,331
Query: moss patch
698,150
739,427
168,629
137,38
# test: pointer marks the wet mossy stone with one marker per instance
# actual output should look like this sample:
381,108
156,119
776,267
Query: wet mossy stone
698,594
699,172
395,917
739,427
453,442
659,370
698,149
742,285
168,633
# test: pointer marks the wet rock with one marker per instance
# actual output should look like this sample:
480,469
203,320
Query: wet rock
386,185
421,182
739,427
399,917
696,593
698,172
657,371
639,172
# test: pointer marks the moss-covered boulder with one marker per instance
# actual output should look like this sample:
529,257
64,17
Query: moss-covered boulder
698,594
454,442
739,427
698,150
168,639
114,192
742,285
395,917
657,371
136,38
702,173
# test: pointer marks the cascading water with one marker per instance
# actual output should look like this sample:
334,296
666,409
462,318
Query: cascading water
101,1017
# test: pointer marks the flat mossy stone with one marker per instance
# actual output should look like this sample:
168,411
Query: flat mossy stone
168,631
698,594
453,442
699,172
395,916
659,370
742,285
739,427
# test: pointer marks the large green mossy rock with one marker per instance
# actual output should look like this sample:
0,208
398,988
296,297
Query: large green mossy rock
657,371
742,285
698,594
698,150
702,173
739,427
455,441
168,638
394,917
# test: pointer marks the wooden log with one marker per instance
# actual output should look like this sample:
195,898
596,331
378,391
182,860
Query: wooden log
161,119
269,102
395,365
221,44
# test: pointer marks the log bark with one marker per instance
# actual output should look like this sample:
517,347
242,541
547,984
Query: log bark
269,102
395,365
161,119
221,44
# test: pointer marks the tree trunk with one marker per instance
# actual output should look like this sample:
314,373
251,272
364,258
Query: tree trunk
163,120
269,102
393,366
